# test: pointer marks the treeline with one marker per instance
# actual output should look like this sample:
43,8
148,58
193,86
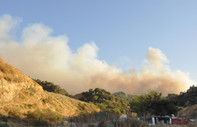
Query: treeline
51,87
146,104
106,101
152,103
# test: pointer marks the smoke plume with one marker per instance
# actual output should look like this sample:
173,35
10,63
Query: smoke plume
47,57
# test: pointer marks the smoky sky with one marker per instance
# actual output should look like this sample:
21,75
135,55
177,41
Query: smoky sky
46,57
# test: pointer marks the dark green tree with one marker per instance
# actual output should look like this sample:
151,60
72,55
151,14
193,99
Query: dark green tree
51,87
106,101
152,103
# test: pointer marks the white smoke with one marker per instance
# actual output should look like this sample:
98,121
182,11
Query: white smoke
46,57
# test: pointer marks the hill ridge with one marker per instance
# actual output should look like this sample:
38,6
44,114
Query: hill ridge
20,95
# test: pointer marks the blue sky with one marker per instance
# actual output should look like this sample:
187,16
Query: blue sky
122,30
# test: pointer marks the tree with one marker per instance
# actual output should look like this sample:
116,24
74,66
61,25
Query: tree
51,87
152,103
106,101
138,105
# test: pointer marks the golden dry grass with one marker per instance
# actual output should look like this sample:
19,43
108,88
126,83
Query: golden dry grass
19,95
11,74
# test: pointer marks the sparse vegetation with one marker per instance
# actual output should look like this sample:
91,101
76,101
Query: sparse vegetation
15,113
28,105
48,100
104,119
133,122
31,91
22,96
44,117
8,73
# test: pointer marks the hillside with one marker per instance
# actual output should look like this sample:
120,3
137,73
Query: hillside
189,97
22,97
190,111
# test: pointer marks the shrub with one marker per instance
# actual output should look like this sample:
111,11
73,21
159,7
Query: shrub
22,96
28,105
44,118
4,125
31,91
132,122
48,100
137,123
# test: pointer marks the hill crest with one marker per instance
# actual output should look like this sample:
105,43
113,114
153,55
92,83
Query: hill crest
20,95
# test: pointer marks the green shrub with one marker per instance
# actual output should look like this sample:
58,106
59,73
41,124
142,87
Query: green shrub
44,117
4,125
48,100
31,91
22,96
28,105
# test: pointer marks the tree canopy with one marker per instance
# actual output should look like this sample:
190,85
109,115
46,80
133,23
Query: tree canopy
51,87
152,103
106,101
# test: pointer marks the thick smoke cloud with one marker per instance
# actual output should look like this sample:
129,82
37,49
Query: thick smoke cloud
46,57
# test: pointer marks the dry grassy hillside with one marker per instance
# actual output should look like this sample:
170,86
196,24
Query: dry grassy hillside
190,111
20,96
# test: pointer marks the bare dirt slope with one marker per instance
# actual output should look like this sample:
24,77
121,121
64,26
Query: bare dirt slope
20,95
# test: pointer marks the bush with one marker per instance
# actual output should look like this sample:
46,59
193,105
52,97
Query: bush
5,120
137,123
28,105
31,91
4,125
44,118
132,122
22,96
